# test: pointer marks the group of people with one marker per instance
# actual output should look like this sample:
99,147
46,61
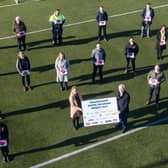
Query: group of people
98,57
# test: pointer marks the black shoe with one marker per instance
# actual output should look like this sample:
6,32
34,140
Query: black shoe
124,130
62,88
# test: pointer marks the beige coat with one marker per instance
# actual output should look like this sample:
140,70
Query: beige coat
75,111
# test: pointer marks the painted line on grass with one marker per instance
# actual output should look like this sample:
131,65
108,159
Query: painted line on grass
5,6
67,155
86,21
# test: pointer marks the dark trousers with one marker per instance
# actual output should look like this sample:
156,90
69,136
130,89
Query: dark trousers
5,153
157,93
123,120
27,77
132,62
57,35
22,42
159,52
75,122
100,29
95,67
64,85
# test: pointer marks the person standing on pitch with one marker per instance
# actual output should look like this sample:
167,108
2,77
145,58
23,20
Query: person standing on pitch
161,40
57,20
4,141
98,57
23,67
147,17
62,70
131,51
102,18
123,100
17,1
75,100
19,29
155,78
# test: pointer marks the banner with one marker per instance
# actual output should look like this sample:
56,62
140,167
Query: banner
100,111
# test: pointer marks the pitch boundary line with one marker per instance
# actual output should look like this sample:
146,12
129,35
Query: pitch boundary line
67,155
86,21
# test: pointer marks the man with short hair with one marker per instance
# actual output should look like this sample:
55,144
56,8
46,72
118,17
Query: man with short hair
98,57
155,78
147,17
123,100
57,20
102,18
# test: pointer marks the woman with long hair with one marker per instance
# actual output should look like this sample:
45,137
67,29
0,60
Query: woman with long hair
62,70
75,100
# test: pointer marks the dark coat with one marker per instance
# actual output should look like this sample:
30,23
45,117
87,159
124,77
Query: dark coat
131,49
23,64
4,132
19,27
102,16
158,38
152,14
123,102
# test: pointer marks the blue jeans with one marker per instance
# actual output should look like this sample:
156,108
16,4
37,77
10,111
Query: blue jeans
123,120
157,93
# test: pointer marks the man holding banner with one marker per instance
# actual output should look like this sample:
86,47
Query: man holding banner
123,100
4,141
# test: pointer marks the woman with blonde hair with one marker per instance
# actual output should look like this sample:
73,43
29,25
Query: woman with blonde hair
75,100
62,70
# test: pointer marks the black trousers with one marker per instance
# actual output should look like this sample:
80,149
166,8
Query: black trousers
5,153
128,62
95,68
159,50
27,77
57,35
22,42
100,29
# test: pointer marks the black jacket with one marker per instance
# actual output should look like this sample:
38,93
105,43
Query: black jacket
158,38
131,49
152,14
19,27
23,64
4,132
123,102
102,16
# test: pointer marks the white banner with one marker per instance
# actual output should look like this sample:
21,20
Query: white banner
100,111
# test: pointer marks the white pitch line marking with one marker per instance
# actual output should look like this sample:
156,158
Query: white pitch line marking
87,21
67,155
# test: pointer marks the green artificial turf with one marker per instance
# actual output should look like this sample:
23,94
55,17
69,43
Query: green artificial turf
38,121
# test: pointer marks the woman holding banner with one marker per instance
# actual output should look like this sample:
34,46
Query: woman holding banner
62,70
75,100
123,100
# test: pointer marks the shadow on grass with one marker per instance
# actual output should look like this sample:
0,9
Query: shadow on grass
90,39
33,45
156,164
92,138
60,104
